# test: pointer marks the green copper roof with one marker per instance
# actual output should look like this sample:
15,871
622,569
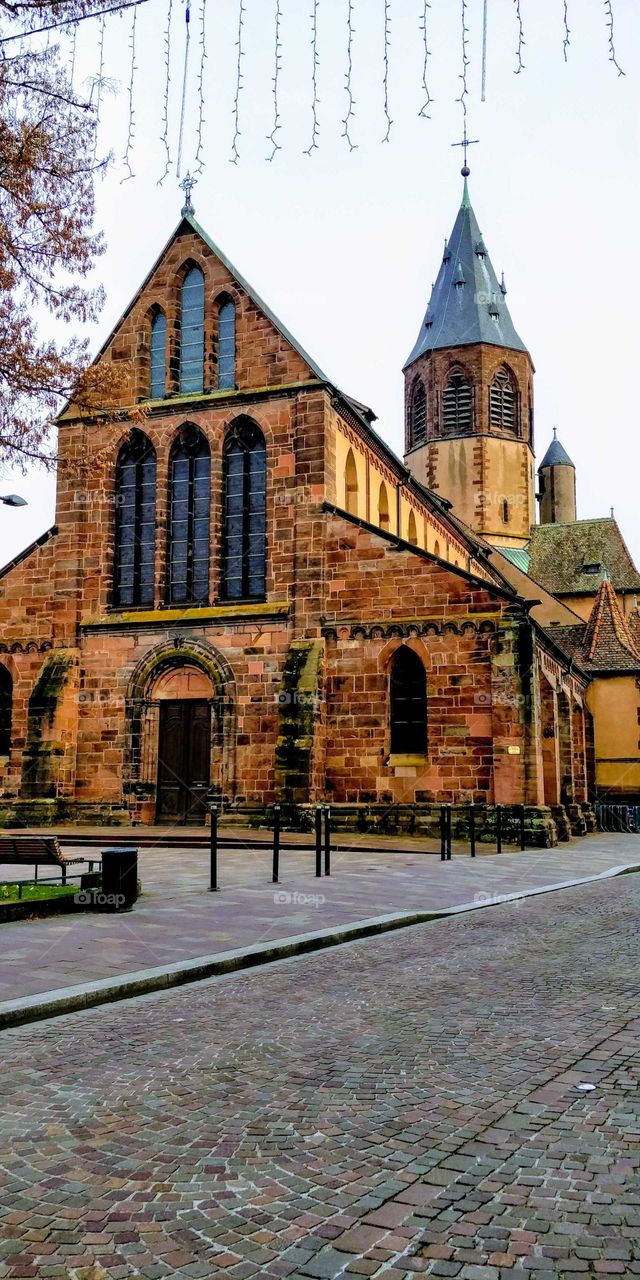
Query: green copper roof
467,303
517,556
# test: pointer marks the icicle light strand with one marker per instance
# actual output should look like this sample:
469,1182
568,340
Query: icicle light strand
465,62
315,123
567,32
126,160
167,86
235,152
273,136
350,116
521,39
424,27
100,75
199,162
608,8
387,47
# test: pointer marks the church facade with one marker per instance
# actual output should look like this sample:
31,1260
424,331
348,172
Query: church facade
247,598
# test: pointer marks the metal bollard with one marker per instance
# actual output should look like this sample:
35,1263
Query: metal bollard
523,837
276,842
443,834
318,841
472,829
449,824
213,847
327,841
498,828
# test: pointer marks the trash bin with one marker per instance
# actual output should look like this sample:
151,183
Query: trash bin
119,878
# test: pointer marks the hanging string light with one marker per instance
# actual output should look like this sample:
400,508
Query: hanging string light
203,58
72,55
465,62
351,102
100,76
315,124
272,137
424,110
387,44
608,8
567,32
235,153
126,159
167,84
521,39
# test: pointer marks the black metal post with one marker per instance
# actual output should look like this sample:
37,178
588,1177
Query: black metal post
318,840
276,842
498,828
523,838
443,834
449,824
472,829
213,874
327,841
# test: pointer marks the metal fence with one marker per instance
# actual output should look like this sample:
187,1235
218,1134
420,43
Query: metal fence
619,818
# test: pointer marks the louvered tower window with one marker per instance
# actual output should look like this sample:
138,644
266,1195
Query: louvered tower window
457,405
418,414
408,696
6,701
503,402
189,512
245,513
192,332
158,356
135,499
226,345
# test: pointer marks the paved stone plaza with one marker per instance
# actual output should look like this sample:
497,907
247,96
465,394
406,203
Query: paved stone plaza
409,1104
178,919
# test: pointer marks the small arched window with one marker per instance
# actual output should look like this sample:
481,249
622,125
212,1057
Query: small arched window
351,485
505,511
408,699
383,507
418,414
6,705
192,331
412,530
158,356
436,548
503,402
226,345
135,499
457,404
189,514
245,513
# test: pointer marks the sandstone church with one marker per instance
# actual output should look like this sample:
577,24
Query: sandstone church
247,598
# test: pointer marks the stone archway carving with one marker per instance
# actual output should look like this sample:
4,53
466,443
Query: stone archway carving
147,687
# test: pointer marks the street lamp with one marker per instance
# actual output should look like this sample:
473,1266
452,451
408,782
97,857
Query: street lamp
13,500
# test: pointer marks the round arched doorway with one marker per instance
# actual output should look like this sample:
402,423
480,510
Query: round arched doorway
183,697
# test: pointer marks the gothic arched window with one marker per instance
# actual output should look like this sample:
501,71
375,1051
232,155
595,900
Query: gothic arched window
158,356
503,402
189,514
383,507
135,499
192,331
412,530
457,404
418,414
245,513
6,700
408,701
351,485
226,344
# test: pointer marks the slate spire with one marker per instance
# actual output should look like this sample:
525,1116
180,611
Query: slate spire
475,311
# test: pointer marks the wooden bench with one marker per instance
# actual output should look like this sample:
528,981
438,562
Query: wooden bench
37,851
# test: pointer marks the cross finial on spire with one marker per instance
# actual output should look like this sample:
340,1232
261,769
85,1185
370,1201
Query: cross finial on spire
465,144
555,433
187,186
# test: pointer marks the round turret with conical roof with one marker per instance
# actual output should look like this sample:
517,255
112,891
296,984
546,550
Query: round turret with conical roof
557,485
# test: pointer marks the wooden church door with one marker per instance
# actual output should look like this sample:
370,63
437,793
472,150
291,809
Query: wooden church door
184,761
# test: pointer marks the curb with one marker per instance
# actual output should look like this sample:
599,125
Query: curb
51,1004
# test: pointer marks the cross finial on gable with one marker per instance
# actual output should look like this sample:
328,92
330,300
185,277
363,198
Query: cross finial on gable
187,186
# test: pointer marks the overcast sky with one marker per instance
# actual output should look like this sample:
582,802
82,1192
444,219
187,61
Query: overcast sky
344,245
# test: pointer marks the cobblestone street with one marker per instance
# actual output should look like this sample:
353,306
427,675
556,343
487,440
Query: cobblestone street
409,1104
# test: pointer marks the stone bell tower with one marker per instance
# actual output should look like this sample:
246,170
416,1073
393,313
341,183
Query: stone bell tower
469,394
